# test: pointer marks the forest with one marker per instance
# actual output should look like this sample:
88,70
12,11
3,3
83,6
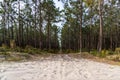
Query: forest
59,39
86,25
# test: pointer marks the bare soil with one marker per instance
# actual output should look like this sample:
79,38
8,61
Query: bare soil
59,67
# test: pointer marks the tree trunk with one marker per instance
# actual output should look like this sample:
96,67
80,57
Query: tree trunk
80,7
4,22
35,24
40,25
48,34
101,26
19,36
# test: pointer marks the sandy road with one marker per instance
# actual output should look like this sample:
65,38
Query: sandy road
61,68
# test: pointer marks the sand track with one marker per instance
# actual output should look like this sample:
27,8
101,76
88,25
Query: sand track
60,68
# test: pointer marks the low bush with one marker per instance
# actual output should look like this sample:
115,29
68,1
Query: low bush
103,53
111,52
4,53
117,50
51,51
70,51
114,57
94,52
2,49
117,58
18,49
5,46
31,50
28,47
85,50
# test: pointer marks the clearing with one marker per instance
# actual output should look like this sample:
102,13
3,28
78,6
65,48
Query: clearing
59,68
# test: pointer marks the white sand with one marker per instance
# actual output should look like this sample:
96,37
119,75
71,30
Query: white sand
59,69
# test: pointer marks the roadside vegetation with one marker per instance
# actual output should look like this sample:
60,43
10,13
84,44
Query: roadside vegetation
40,27
18,54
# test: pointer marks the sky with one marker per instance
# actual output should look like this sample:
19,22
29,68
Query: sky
58,4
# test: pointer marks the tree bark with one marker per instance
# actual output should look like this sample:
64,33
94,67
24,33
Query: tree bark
80,18
40,25
101,26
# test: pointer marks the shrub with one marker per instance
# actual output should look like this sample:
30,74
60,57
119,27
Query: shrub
2,49
94,52
111,52
4,46
117,58
85,49
30,50
51,51
38,51
18,49
103,53
117,50
4,53
114,57
44,51
28,47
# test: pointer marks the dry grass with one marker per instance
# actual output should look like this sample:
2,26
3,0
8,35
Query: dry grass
84,55
98,59
50,56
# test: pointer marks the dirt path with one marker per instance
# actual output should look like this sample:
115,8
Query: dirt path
60,68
